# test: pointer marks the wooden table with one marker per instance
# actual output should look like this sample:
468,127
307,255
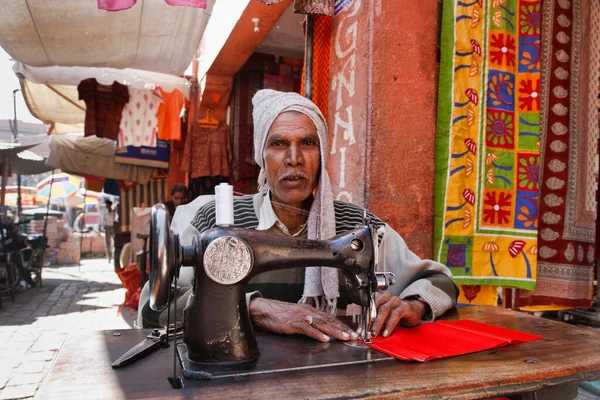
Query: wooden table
551,367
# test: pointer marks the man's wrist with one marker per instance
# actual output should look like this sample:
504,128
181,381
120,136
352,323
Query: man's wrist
422,306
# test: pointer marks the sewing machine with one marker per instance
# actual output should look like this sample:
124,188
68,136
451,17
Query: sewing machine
217,326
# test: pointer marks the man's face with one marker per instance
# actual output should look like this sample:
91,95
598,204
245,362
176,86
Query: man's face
178,198
292,158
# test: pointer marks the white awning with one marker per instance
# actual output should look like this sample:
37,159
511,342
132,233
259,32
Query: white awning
51,92
151,35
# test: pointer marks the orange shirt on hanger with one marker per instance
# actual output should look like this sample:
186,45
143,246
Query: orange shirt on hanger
169,123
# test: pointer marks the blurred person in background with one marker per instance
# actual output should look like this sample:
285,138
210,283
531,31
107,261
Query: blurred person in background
108,222
179,194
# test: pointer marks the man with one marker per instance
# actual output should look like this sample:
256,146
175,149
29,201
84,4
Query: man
295,199
108,222
179,194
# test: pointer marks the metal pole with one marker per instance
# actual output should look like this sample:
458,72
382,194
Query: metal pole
48,205
308,57
15,135
81,237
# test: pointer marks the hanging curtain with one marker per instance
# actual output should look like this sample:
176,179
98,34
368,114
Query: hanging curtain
320,67
155,191
571,78
488,145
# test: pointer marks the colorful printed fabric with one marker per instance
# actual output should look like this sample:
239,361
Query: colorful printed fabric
571,82
487,144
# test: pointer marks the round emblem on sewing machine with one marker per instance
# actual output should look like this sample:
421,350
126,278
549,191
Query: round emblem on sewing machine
227,260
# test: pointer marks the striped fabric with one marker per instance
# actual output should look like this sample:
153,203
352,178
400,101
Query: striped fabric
156,191
347,216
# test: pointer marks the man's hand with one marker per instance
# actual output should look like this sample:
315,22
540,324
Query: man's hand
288,318
392,310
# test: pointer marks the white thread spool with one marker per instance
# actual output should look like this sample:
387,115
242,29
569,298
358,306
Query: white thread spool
224,204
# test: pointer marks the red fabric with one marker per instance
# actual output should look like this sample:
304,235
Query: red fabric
442,339
320,75
130,277
94,183
104,107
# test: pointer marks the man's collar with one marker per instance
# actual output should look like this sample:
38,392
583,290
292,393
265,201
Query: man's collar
267,218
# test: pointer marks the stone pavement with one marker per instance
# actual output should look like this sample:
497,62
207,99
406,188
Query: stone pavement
34,327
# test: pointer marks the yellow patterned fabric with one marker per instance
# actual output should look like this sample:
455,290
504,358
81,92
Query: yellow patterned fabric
481,295
488,142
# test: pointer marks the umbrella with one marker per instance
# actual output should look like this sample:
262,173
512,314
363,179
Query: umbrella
64,187
91,198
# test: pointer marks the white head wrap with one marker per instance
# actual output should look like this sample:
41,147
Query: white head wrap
268,104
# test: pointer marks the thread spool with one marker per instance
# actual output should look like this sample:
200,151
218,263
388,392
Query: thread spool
224,204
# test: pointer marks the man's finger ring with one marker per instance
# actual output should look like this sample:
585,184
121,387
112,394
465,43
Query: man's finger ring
308,319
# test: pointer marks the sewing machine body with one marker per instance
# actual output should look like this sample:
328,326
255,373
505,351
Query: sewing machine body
217,326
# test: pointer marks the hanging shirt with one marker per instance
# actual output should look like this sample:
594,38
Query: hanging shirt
104,106
168,115
209,151
138,125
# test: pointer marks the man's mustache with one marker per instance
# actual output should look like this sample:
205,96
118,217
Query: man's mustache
294,174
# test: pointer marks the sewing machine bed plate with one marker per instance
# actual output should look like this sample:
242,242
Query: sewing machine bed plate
279,354
565,356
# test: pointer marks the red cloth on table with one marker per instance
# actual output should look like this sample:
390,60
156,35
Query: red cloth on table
441,339
104,107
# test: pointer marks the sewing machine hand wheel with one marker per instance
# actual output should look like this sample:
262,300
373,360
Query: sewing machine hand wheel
165,257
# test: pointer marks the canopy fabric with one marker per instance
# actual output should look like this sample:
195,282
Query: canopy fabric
22,164
12,149
23,161
93,156
42,211
151,35
51,92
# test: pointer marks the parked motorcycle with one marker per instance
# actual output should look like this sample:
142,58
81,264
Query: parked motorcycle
24,255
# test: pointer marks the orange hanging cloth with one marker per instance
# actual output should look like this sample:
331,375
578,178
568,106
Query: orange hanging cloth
168,115
130,277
